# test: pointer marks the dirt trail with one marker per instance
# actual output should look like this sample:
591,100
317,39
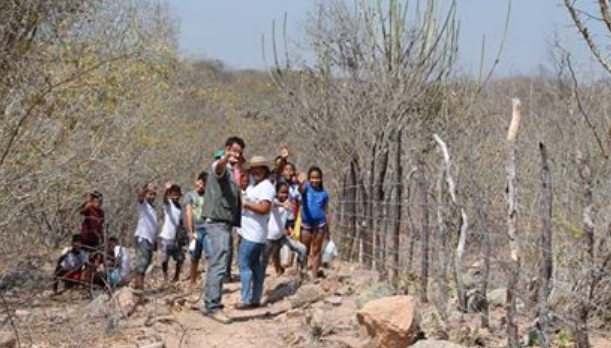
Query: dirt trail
171,314
276,325
320,314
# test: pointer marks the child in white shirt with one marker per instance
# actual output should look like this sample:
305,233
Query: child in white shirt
169,239
146,233
277,234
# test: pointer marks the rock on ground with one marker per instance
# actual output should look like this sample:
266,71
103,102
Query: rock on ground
331,285
435,344
125,301
96,308
373,293
278,290
307,294
334,301
8,340
393,322
601,343
497,297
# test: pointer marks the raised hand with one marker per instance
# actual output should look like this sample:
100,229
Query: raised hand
287,204
283,152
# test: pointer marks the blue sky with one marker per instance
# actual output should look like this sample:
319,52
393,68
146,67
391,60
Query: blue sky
231,30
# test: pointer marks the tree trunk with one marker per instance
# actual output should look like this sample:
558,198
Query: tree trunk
398,209
546,244
366,250
380,211
585,288
512,224
424,238
342,216
460,251
412,239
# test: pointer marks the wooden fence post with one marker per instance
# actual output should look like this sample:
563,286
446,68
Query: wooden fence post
464,225
442,247
424,237
512,225
398,208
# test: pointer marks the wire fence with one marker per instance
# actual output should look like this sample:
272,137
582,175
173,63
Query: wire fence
368,231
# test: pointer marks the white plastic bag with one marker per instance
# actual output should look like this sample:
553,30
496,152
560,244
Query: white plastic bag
285,254
329,252
192,245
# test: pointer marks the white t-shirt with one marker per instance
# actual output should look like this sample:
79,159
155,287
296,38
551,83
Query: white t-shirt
277,221
171,221
147,222
124,265
254,226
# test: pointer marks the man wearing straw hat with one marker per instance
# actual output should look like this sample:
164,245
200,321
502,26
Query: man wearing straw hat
222,211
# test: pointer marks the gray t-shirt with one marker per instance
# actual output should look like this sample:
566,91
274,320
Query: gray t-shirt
223,202
196,201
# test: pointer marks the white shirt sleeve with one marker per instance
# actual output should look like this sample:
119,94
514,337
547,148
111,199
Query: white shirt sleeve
268,192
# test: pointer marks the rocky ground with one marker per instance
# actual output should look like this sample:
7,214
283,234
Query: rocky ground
350,308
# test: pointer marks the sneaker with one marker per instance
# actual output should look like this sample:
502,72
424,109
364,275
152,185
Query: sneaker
218,316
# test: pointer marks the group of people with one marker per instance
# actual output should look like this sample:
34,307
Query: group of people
266,203
91,259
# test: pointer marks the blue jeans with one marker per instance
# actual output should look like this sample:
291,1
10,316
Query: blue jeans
252,271
218,236
201,245
230,258
272,247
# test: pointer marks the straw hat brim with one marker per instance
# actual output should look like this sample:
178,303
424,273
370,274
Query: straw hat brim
258,162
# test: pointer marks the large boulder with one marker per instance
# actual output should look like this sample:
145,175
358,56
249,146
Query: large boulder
392,322
373,293
435,344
